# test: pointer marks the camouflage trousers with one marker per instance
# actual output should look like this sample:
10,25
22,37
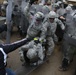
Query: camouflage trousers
50,45
68,50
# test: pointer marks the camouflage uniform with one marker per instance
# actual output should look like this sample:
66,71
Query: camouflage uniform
26,11
33,50
68,49
34,30
48,32
36,27
61,11
70,28
25,17
45,9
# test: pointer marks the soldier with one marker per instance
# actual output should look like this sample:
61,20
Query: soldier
26,11
45,9
60,11
27,8
68,49
48,31
43,2
36,26
26,16
32,52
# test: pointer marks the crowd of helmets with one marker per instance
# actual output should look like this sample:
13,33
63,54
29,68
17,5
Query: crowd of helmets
54,22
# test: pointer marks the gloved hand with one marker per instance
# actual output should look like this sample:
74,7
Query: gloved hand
40,39
32,1
43,41
37,41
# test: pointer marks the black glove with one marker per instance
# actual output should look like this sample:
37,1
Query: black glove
44,43
36,41
32,1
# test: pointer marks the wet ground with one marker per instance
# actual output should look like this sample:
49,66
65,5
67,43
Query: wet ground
50,67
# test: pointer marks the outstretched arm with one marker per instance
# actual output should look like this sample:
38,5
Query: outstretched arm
13,46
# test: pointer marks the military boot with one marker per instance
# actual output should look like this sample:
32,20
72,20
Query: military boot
64,65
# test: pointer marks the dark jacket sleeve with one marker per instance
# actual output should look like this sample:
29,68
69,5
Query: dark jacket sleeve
2,66
3,28
13,46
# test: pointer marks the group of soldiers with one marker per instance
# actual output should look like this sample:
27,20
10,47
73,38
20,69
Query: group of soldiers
47,24
43,26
